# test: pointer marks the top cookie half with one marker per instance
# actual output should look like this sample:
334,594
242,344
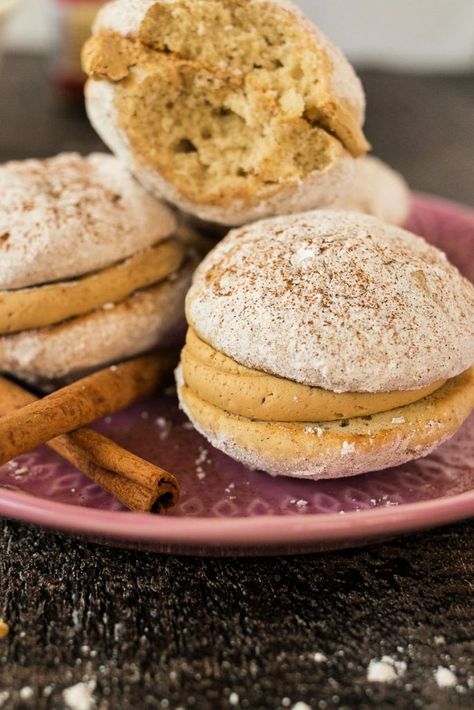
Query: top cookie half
230,109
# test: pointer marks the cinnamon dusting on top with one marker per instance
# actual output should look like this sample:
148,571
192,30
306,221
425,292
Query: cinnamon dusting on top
69,215
334,300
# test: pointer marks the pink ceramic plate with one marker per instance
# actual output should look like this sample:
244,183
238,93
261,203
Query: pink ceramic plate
227,509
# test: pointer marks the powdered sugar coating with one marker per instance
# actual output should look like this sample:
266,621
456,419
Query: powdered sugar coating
69,215
319,189
337,300
105,335
377,190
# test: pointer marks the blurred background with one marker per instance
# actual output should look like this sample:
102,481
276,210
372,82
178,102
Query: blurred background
423,35
416,60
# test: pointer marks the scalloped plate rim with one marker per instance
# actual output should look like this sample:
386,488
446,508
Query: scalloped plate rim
237,531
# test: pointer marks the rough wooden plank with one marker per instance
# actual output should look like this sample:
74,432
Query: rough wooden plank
157,631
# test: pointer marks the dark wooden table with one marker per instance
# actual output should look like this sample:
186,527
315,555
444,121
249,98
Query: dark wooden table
155,631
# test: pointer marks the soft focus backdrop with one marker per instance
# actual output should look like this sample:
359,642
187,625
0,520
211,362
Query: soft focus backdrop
422,35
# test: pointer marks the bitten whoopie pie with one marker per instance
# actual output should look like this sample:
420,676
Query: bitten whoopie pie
232,110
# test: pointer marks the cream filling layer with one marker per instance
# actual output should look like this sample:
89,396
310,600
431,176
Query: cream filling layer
219,380
42,306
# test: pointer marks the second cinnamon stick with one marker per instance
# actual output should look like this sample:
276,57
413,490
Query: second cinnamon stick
138,484
98,395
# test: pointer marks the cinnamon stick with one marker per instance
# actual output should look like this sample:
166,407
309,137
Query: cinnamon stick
104,392
136,483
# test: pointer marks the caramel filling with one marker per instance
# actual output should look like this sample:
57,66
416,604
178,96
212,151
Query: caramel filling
225,99
241,391
46,305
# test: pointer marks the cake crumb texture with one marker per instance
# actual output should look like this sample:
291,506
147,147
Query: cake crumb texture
228,102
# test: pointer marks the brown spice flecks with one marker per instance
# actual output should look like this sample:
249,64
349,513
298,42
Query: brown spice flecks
336,300
82,214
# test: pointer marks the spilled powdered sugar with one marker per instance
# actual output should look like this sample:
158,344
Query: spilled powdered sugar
385,670
80,696
445,678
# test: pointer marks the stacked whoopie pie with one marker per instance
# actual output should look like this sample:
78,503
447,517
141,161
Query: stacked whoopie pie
90,272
